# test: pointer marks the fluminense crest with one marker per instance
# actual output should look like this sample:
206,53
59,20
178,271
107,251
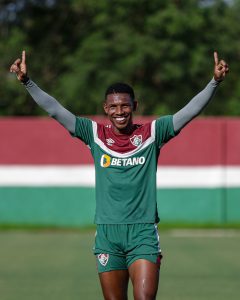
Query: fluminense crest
136,140
103,259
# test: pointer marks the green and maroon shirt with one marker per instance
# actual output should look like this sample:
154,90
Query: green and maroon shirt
125,168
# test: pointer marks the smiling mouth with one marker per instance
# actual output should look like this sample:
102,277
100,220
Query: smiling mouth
120,119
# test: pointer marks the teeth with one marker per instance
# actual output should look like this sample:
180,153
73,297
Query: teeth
120,119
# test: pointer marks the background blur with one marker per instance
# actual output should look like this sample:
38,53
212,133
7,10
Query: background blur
75,49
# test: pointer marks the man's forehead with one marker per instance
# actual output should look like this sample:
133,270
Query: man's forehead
118,97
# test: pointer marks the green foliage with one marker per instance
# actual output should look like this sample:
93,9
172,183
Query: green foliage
76,48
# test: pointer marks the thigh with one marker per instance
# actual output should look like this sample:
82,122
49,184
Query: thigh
144,275
114,284
113,275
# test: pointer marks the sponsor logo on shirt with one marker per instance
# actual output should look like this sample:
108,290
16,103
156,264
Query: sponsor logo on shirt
107,161
136,140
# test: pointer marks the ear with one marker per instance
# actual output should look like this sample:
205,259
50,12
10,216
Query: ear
135,105
105,107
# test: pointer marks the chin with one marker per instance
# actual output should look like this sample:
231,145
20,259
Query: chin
122,128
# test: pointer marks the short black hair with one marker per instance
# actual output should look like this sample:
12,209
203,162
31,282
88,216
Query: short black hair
120,87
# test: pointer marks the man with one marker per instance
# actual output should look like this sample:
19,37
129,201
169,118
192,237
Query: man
125,156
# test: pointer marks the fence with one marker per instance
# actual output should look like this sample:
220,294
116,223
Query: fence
47,177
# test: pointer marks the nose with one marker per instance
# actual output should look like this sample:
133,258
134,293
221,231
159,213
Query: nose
119,110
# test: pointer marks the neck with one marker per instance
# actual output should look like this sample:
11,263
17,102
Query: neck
127,130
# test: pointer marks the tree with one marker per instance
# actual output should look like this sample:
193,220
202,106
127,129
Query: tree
163,48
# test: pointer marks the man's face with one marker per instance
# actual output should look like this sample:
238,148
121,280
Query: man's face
119,108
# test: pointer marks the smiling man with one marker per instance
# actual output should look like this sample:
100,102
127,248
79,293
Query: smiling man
119,104
125,155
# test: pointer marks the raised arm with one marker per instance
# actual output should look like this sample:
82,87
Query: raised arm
47,102
200,101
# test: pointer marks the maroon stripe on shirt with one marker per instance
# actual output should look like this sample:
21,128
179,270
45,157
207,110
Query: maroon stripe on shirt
123,143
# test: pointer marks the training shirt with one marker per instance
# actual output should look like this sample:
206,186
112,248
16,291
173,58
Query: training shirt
125,168
125,165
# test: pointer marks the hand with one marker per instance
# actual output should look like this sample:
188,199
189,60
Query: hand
220,68
20,68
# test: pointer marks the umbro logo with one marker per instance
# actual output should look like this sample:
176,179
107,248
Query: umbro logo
110,142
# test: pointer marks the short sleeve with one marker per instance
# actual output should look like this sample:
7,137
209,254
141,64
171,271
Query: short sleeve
164,130
84,130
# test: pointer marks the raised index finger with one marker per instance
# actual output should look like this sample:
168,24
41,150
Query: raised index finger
215,54
24,57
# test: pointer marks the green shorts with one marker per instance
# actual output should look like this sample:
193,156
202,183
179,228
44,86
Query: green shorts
117,246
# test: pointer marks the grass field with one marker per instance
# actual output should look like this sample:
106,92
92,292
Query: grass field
59,265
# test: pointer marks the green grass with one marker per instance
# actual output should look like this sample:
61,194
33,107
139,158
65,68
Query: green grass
59,265
163,226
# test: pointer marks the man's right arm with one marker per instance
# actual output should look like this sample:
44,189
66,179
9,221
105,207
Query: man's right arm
51,106
47,102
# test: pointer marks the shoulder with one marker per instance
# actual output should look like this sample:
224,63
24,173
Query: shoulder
164,122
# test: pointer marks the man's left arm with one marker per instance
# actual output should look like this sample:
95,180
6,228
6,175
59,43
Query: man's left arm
200,101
